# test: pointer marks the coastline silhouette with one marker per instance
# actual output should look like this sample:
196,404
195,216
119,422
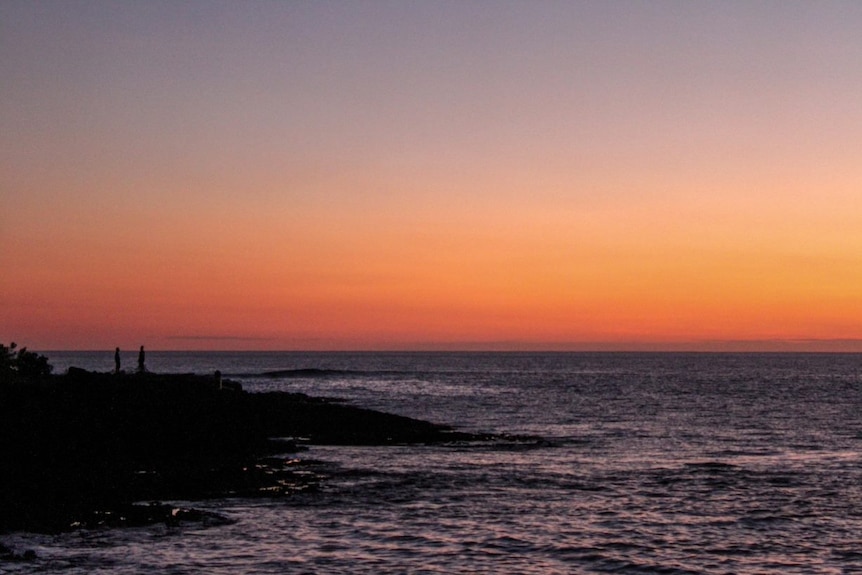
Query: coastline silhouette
80,441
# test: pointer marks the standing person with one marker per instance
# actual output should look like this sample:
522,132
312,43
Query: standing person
141,368
117,361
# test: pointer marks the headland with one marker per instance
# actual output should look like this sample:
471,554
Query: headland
85,448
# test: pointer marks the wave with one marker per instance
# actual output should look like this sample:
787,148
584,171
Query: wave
317,373
305,373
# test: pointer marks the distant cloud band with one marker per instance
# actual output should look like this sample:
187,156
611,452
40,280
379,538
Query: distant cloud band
218,338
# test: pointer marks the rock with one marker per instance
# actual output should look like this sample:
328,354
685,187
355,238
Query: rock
88,441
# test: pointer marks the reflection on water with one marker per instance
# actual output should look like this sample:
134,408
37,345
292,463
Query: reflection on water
659,463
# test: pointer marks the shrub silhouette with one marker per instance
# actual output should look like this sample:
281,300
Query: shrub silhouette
22,365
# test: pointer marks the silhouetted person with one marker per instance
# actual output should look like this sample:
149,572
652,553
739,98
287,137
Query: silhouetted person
141,368
117,361
218,379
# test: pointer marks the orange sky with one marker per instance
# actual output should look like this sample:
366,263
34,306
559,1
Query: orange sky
662,175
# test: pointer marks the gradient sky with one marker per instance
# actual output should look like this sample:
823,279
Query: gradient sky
431,175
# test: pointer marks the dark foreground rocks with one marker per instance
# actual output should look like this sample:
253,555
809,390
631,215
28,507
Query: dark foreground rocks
80,449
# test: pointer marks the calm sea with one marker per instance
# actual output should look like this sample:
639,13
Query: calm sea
654,463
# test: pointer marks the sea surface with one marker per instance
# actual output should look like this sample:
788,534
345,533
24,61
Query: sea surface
649,463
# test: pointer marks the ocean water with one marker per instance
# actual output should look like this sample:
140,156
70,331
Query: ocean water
651,463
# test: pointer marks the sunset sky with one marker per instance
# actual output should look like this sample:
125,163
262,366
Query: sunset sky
431,175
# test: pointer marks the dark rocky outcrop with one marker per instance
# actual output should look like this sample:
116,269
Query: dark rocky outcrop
77,446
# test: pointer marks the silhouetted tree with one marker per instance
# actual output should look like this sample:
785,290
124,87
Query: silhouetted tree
7,357
22,365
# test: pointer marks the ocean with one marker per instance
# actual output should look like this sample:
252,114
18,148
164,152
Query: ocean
647,463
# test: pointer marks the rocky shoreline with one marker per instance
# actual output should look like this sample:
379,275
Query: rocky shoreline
83,449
